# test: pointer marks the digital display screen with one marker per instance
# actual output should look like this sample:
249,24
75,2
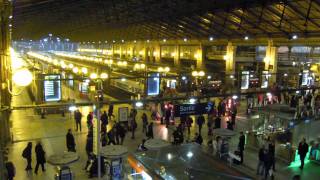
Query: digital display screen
245,80
153,84
52,87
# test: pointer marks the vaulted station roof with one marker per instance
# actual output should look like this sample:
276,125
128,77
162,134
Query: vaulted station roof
171,19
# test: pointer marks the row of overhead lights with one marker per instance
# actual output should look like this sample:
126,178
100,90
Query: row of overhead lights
135,41
292,37
63,65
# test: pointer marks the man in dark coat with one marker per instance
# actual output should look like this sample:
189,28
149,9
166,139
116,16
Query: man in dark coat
200,122
104,121
77,117
241,144
189,123
71,145
11,170
120,132
267,164
27,154
41,159
302,151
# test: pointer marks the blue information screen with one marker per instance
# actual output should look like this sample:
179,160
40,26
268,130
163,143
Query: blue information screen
153,84
52,87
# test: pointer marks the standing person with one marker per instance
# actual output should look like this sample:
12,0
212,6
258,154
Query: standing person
41,159
198,139
78,117
11,170
121,132
272,150
110,111
210,124
71,145
89,146
261,157
189,124
241,144
302,151
233,115
111,137
167,116
267,165
144,122
133,127
150,131
200,122
104,121
229,125
89,120
27,154
217,123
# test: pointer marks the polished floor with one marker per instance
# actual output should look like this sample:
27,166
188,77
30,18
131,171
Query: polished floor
28,126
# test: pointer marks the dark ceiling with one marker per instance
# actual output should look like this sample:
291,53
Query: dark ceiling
82,20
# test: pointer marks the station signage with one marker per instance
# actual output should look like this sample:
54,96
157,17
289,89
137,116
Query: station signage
191,109
153,84
52,87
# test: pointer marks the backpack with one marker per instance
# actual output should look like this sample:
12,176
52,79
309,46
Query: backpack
24,153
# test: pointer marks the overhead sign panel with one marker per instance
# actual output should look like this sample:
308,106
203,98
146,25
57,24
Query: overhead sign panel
52,87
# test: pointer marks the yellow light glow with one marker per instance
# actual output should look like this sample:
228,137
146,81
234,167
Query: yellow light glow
142,66
75,70
160,69
155,53
196,56
70,66
22,77
173,54
84,70
93,76
104,76
225,57
194,73
266,59
167,69
201,73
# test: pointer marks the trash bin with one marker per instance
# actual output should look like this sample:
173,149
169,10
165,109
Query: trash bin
63,173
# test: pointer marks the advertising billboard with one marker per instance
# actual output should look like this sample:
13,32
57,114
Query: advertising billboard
153,84
52,87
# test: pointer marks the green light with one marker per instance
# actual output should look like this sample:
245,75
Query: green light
296,162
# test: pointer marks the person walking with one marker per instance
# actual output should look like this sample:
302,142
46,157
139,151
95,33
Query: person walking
261,157
200,122
302,151
78,117
241,144
144,122
41,159
150,131
27,154
189,124
71,145
110,111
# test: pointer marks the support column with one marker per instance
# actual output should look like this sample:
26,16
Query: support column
271,62
120,51
157,53
230,59
176,56
199,56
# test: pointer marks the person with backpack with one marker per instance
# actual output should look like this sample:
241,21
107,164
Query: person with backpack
27,154
41,159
